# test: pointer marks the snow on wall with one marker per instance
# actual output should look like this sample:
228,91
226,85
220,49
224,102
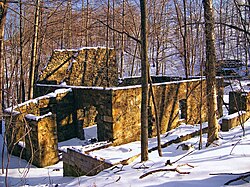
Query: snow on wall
234,115
15,110
37,118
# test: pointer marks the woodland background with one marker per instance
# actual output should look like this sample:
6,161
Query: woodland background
176,38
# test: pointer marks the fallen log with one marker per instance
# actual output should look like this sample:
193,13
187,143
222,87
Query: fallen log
167,169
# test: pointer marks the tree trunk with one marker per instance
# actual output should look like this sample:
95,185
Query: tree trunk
213,126
122,50
107,45
22,86
69,26
34,51
144,76
3,12
87,25
186,59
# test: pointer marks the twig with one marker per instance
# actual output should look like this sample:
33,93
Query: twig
119,169
142,166
162,170
186,165
235,146
168,169
183,157
118,179
120,32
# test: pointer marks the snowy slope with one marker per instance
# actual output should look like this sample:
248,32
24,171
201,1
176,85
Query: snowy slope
231,154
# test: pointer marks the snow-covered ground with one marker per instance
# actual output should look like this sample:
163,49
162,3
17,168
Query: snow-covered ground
210,167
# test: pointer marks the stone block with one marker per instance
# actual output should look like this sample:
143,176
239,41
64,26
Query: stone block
233,120
238,101
86,165
108,119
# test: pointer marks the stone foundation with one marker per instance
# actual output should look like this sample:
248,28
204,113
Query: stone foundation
92,96
33,130
77,164
34,139
41,144
239,110
233,120
115,110
81,67
239,101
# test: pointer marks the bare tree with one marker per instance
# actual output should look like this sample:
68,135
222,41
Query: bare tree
3,13
122,50
22,86
34,50
213,126
144,76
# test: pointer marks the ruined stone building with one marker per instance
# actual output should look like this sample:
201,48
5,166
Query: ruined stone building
80,88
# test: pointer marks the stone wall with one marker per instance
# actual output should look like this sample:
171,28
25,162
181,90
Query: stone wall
239,110
155,79
41,143
15,131
33,128
81,67
34,139
239,101
126,108
116,111
233,120
99,99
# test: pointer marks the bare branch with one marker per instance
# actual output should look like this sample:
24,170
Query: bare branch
168,169
1,1
120,32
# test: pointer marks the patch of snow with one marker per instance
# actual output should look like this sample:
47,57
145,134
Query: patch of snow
64,50
82,48
119,88
63,84
22,144
10,110
80,146
76,87
14,110
63,90
234,115
37,118
222,158
90,132
70,66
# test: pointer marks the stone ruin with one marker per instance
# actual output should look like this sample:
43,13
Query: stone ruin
81,67
239,110
80,88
